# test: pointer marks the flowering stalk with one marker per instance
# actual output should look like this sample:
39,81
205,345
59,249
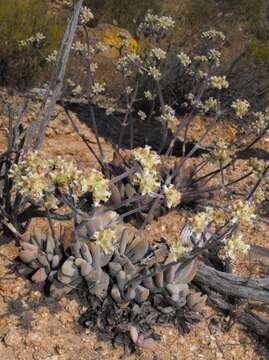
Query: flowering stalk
90,82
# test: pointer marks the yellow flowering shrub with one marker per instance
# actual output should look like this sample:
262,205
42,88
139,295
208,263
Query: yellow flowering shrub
121,40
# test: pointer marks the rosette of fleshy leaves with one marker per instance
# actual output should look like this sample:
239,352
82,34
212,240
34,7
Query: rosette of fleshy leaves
41,257
110,259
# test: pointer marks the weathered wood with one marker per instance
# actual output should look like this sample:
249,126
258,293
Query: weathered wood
254,323
259,254
245,317
232,285
220,286
37,129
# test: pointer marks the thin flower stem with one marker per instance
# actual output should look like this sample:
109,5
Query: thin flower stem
90,82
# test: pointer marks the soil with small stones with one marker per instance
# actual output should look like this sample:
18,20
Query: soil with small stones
33,326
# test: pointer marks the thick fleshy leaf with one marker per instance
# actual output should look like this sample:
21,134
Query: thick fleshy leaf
28,256
187,274
39,276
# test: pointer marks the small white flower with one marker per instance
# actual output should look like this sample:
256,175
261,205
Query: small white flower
39,37
68,3
169,114
98,88
210,104
214,55
79,47
201,58
241,107
86,15
219,82
172,196
129,90
93,67
51,58
154,72
77,90
71,83
148,95
142,115
213,34
148,182
157,23
184,59
236,245
201,74
148,159
160,54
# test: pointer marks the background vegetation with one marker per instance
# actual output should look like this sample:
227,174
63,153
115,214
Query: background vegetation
245,23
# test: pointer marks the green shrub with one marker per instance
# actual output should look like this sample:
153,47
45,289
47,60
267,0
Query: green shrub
21,20
260,51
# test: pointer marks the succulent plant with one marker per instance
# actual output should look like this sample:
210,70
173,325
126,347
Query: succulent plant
43,256
123,271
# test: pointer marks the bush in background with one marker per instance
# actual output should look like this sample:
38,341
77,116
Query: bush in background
24,64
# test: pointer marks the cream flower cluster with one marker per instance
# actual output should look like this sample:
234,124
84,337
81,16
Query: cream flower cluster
219,153
79,47
235,245
172,196
68,3
142,115
99,186
213,34
210,104
77,90
38,38
148,95
241,107
37,179
201,58
29,176
184,59
147,158
51,58
257,165
176,249
215,56
199,223
147,179
85,16
106,238
158,53
169,114
97,89
219,82
156,23
154,72
241,212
